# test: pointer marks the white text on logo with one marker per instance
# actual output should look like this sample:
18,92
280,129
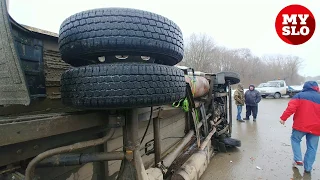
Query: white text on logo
292,30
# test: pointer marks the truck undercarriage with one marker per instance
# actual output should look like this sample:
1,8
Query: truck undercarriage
43,138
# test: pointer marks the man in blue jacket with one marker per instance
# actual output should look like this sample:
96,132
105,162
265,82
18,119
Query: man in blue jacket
252,98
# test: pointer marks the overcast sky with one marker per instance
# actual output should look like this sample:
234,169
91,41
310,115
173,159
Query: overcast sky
232,23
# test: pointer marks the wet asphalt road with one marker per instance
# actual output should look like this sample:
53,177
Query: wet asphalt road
266,144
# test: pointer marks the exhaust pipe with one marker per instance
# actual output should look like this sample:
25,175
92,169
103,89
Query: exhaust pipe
162,167
167,161
195,166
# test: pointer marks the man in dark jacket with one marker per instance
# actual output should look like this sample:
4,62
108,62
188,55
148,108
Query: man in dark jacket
252,98
239,100
306,122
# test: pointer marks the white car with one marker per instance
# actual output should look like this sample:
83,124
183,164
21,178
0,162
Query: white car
276,89
261,86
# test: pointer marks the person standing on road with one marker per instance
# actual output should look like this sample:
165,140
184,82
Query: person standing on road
306,122
252,98
239,100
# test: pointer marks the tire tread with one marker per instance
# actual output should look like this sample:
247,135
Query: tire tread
122,85
122,30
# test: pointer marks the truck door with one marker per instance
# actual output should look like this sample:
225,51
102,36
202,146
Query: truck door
282,88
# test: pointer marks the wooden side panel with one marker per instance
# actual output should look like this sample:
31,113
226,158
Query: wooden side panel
54,67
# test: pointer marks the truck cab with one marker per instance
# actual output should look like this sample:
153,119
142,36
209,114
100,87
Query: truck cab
276,89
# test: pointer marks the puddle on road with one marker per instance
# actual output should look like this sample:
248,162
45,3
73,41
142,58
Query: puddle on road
265,144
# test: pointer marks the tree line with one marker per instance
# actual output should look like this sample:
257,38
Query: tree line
203,54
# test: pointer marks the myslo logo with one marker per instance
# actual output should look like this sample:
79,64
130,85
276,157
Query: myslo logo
295,24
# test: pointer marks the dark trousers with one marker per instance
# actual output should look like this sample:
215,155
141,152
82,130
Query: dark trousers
253,109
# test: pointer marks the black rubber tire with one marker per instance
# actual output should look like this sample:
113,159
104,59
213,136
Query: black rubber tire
233,77
277,95
232,142
122,85
264,96
87,35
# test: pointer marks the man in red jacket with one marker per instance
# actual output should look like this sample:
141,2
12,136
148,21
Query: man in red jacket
306,122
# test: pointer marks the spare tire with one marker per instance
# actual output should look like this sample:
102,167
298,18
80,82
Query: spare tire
232,77
85,36
122,85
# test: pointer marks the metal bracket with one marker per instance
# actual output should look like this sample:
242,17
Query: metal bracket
129,155
162,167
230,107
116,121
149,144
204,119
220,78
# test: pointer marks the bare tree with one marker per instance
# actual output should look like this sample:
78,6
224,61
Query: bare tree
203,54
199,52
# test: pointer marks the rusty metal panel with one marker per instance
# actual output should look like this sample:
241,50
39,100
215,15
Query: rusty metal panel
16,131
36,107
24,150
13,88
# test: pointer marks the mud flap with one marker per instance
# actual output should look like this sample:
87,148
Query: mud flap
13,87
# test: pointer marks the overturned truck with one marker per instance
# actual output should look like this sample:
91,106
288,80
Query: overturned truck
104,100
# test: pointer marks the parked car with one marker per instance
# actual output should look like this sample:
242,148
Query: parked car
261,85
293,90
276,89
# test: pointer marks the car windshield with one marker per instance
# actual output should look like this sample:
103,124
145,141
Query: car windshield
262,85
272,84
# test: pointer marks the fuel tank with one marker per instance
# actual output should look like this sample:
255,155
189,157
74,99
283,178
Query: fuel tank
199,85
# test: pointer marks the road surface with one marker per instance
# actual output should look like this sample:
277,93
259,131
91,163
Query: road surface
265,146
